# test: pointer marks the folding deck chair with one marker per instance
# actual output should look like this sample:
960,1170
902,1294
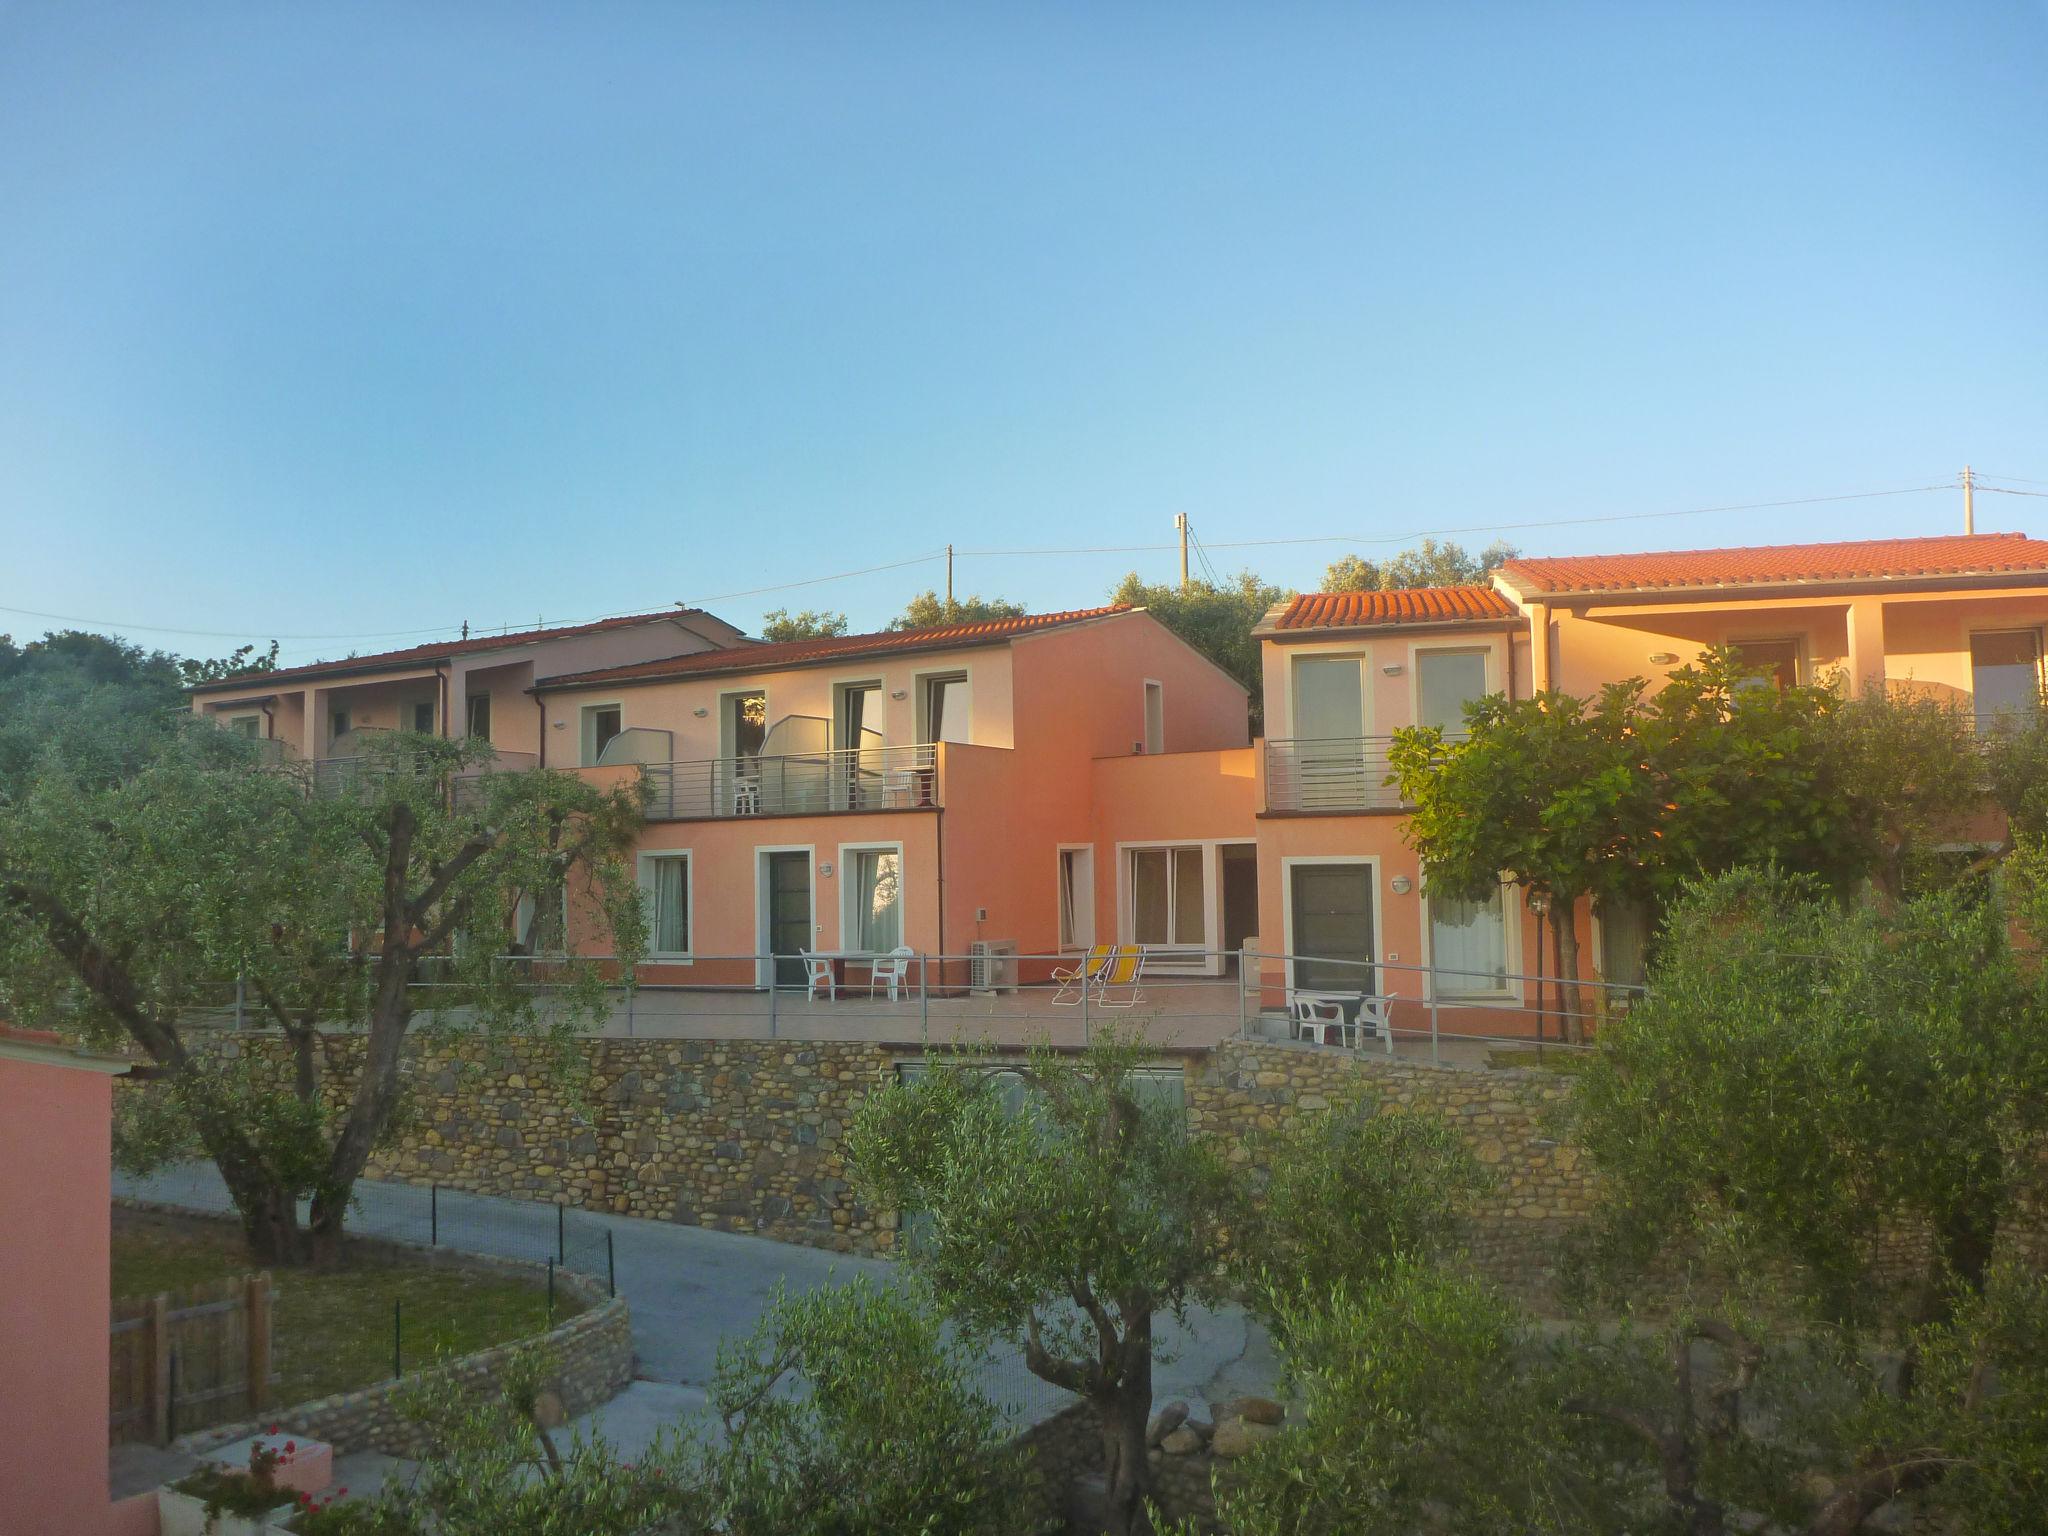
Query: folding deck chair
1075,979
1126,968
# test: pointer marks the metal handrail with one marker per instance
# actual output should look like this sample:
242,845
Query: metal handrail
1332,773
799,783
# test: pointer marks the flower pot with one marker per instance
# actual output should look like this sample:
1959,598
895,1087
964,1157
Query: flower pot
181,1514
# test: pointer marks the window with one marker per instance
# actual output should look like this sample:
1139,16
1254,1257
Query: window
1468,946
480,716
247,725
339,720
1155,717
1329,698
1167,905
742,723
874,889
1077,898
665,888
423,719
944,707
601,722
2005,674
1330,908
1445,682
1774,662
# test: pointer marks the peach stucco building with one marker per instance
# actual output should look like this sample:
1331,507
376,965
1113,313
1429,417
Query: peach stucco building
473,686
56,1117
1049,782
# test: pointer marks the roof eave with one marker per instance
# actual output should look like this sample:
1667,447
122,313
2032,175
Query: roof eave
743,663
1822,587
1503,622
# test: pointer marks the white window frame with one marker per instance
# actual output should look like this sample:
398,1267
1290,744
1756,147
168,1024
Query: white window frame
849,925
1417,649
1379,912
413,714
1335,650
1070,943
469,703
647,862
920,685
1802,669
837,689
1970,655
526,912
1181,959
1152,687
233,723
1512,916
586,728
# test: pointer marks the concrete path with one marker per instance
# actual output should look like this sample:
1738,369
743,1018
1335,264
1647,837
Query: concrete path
690,1288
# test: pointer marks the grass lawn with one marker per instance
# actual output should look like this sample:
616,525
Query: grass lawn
331,1331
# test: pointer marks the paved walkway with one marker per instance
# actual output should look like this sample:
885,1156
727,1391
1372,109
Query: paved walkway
690,1288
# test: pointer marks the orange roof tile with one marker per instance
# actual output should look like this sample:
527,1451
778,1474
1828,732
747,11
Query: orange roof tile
1856,560
442,650
1403,605
797,653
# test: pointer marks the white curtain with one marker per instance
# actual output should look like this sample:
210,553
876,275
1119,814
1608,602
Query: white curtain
671,915
878,890
1468,945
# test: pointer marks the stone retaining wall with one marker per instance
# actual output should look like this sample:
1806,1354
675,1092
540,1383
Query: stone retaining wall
750,1135
591,1354
1542,1189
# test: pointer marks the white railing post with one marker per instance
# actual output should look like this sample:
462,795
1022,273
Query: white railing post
1243,1019
1435,1056
924,1002
772,1022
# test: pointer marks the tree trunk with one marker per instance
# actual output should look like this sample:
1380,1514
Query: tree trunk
1564,931
1125,1411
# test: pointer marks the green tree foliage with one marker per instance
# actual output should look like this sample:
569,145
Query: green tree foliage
928,609
848,1413
1429,564
1063,1226
808,624
1804,1077
1216,619
1422,1406
2015,757
1347,1194
129,908
99,703
1626,796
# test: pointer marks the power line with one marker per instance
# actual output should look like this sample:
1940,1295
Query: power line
1056,550
2023,480
1433,533
2006,490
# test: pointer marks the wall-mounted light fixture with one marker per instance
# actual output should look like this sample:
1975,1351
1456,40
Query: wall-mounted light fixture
1402,885
561,725
1392,669
825,871
900,693
1662,658
700,711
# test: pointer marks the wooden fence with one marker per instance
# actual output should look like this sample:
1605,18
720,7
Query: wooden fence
189,1360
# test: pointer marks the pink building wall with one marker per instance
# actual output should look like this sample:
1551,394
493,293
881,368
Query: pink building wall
55,1159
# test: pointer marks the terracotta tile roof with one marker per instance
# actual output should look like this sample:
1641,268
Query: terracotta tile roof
1404,605
1858,560
797,653
443,650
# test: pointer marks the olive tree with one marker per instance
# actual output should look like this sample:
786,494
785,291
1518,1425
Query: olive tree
1063,1223
128,907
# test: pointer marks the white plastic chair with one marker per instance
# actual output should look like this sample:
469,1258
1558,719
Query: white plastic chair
893,968
1318,1015
1376,1017
818,973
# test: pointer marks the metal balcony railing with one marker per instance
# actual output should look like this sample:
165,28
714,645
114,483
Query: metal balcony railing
1339,773
344,775
793,784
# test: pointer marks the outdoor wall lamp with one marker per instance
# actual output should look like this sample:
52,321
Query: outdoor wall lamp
700,711
900,693
1402,885
1392,669
1662,658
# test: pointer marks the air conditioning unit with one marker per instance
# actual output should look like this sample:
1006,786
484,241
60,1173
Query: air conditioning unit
991,966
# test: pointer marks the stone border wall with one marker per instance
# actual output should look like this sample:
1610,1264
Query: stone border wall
1542,1188
750,1135
592,1354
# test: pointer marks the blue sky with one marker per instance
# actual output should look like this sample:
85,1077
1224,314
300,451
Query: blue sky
348,322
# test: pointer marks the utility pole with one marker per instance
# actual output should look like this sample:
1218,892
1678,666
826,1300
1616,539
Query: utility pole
1969,501
949,581
1180,521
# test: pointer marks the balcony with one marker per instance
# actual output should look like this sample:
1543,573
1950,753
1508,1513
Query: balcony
333,776
1330,775
794,784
